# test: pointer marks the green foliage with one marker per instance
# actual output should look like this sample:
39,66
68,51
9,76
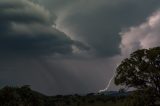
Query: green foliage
141,71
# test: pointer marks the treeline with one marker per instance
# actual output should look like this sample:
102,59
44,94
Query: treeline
21,96
24,96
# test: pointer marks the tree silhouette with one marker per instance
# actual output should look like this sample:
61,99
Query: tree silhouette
22,96
141,71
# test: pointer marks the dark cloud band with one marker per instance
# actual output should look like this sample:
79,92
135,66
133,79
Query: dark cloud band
26,28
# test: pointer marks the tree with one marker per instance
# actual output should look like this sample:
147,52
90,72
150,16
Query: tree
23,96
141,70
141,98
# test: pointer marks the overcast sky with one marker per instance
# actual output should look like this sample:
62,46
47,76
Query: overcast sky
72,46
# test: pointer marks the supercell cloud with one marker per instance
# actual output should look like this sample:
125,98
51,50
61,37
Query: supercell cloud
26,29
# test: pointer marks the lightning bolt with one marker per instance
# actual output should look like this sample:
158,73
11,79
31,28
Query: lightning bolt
108,85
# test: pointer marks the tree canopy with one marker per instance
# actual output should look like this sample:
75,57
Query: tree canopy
141,70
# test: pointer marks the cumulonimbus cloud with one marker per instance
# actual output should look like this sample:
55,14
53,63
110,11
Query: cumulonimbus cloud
26,28
146,35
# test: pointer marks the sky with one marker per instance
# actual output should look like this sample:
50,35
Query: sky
72,46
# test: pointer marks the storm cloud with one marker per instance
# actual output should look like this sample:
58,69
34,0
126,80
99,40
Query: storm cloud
146,35
98,23
27,28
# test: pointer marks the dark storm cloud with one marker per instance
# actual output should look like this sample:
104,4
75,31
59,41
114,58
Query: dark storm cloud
55,4
26,28
99,22
23,11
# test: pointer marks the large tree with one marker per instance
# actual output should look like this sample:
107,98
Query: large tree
141,70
